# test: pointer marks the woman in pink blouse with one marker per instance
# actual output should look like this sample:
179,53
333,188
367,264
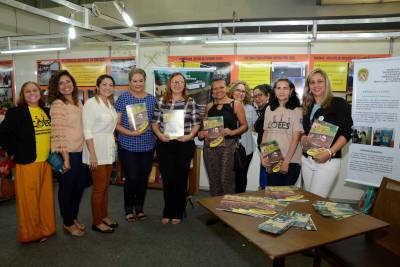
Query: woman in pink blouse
67,139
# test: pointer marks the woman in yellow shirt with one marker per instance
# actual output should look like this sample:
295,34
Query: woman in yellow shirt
25,135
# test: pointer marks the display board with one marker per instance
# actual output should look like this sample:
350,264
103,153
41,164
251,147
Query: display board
7,97
375,149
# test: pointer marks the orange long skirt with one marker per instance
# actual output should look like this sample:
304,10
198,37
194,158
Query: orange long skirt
35,201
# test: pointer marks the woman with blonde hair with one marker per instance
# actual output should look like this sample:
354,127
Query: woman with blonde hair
320,171
99,122
25,135
240,91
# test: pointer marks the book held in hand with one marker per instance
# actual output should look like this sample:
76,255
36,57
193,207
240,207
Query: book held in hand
271,151
174,123
319,138
137,116
214,127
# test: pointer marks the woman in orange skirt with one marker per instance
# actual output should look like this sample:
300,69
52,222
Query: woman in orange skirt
25,135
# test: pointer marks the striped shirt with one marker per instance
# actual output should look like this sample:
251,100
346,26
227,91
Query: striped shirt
192,113
143,142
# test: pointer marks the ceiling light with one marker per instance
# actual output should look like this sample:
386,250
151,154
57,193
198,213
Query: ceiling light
72,33
258,41
120,6
127,19
33,49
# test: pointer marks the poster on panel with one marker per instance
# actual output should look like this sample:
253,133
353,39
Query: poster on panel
85,71
6,85
255,72
198,83
374,151
45,69
294,71
119,70
337,73
221,69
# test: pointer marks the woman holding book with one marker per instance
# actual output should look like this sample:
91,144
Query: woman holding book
320,171
240,91
25,135
218,160
135,144
283,124
67,139
99,122
176,122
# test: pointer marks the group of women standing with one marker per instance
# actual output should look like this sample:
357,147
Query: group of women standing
84,137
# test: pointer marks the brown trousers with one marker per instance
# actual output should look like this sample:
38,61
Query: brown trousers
101,179
35,201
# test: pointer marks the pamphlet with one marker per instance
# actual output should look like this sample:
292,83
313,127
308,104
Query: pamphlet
320,137
271,151
214,126
137,116
174,123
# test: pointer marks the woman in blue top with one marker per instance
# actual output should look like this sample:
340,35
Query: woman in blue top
136,148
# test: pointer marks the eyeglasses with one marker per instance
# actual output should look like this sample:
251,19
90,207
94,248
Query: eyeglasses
240,91
178,82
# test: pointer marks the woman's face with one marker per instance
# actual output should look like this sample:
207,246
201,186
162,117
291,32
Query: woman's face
106,87
177,85
239,93
219,89
137,83
282,91
317,85
65,85
260,99
31,94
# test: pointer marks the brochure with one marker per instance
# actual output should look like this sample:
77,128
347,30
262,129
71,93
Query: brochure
137,116
320,137
214,126
272,152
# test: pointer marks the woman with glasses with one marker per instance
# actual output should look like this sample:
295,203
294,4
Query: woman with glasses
320,171
240,91
175,152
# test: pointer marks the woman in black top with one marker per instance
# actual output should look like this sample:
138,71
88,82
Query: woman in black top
219,160
320,171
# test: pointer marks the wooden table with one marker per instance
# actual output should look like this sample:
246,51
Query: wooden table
292,241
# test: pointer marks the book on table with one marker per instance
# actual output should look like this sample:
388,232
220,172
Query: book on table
284,193
277,224
214,127
338,211
319,138
137,116
174,123
271,151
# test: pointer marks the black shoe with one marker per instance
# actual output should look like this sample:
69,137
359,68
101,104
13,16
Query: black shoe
112,225
97,229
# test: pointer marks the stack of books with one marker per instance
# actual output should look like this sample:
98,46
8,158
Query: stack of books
302,220
283,193
338,211
282,222
258,207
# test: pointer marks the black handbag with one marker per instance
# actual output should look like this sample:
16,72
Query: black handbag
239,158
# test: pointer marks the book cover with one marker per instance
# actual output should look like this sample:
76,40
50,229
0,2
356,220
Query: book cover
174,123
214,126
272,152
302,220
277,224
320,137
137,116
338,211
285,193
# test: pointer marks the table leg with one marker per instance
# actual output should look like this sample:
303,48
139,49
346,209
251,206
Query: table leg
278,262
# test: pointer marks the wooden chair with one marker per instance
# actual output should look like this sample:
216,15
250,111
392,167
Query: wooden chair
378,248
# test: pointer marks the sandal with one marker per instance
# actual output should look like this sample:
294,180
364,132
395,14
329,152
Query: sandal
141,216
165,221
130,217
176,221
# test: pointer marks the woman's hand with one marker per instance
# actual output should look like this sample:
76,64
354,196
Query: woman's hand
136,133
284,166
67,166
227,132
322,157
202,134
185,138
93,161
163,137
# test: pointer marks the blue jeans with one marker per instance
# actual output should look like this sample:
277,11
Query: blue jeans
282,179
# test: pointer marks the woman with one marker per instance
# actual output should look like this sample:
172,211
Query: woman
175,155
99,122
283,124
240,92
219,160
25,135
320,171
261,95
136,147
67,139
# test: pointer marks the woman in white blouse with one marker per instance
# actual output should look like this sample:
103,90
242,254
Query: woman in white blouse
99,122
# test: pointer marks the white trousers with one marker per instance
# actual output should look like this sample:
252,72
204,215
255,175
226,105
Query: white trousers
319,178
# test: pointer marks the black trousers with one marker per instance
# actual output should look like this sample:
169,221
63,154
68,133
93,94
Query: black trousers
241,177
174,158
71,187
137,167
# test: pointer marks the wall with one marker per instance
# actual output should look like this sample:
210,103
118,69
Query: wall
157,56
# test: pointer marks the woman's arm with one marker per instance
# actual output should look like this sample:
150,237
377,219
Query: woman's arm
120,129
203,134
58,116
292,149
156,129
241,116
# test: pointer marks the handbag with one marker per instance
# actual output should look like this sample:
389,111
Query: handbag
56,162
239,158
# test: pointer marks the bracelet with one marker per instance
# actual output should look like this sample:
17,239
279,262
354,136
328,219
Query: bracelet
331,154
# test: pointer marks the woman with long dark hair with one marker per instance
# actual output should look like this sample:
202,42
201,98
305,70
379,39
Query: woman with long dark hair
283,124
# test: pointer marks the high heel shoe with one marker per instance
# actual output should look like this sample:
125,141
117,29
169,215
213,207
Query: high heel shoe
106,231
73,230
